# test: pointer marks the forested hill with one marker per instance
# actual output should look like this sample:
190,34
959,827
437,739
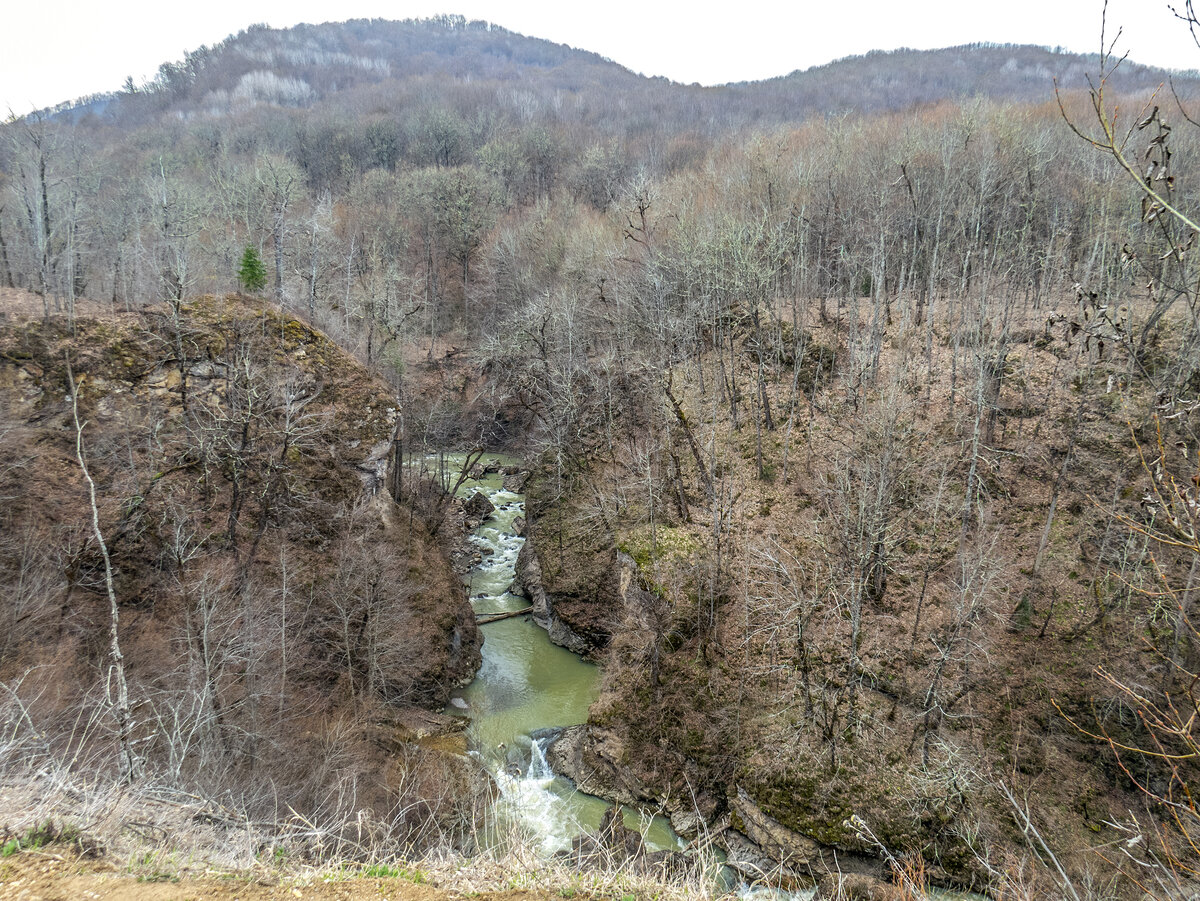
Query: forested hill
370,67
899,79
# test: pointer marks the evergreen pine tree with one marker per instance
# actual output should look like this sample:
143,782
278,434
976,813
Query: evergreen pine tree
252,274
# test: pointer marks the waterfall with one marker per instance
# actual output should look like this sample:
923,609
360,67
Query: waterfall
529,800
538,767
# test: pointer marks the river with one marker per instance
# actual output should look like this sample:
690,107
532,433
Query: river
527,684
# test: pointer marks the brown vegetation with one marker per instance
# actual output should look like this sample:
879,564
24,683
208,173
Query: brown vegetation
846,431
273,613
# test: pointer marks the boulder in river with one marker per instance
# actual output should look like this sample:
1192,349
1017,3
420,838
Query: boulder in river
478,506
516,481
518,526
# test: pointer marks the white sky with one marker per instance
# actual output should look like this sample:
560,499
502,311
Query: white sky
55,50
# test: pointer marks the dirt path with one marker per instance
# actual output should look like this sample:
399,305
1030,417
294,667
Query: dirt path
49,876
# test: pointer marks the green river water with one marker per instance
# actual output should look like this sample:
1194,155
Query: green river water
526,684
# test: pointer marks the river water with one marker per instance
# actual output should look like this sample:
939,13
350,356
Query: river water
527,684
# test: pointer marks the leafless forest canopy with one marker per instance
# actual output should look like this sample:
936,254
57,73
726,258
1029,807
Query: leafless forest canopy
882,377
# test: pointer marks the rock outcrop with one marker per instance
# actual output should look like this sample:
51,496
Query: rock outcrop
246,504
590,758
529,584
760,845
594,759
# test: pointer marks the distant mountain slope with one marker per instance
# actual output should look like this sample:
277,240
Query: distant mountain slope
376,66
898,79
308,64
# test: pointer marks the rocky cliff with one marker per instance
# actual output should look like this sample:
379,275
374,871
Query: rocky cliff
273,605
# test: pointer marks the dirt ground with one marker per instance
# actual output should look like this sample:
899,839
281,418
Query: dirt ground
51,876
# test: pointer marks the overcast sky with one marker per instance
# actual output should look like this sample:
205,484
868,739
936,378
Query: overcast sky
55,50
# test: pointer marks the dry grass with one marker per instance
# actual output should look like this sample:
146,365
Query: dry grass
149,831
150,835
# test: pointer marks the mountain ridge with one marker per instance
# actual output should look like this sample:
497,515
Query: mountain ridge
307,66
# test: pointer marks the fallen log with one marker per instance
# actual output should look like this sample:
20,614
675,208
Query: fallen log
485,618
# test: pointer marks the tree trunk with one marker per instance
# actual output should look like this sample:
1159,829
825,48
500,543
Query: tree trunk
129,764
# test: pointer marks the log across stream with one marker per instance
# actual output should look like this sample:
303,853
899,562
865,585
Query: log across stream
526,685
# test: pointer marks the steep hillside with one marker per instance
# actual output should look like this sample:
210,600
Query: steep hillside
275,610
834,637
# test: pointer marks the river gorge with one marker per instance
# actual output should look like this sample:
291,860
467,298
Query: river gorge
527,686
